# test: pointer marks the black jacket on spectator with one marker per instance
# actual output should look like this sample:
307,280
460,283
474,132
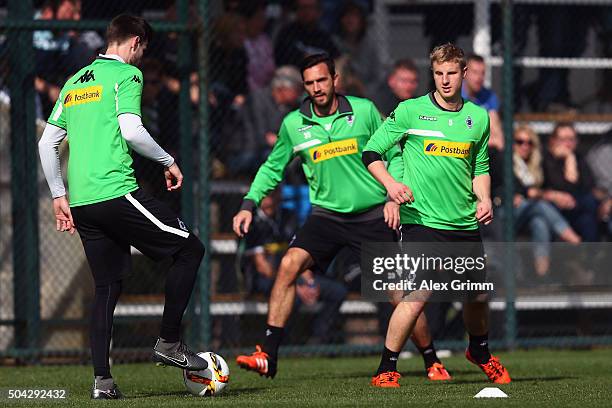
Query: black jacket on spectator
228,68
554,179
384,99
294,42
269,235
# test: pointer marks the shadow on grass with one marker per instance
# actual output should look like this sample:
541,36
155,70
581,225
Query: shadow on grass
228,393
517,380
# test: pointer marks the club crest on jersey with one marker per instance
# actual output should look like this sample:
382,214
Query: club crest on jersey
469,122
303,131
350,119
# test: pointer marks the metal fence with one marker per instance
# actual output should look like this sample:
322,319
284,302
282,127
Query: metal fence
219,77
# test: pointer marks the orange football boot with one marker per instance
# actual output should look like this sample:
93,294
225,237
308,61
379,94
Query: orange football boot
259,361
494,370
389,379
437,372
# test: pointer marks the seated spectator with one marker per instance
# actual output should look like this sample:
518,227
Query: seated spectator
568,182
228,82
600,162
303,37
258,45
475,91
59,54
542,218
268,239
348,81
228,59
355,43
401,84
262,116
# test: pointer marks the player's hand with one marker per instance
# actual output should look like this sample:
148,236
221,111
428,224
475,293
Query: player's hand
173,174
63,216
242,222
484,211
392,214
399,192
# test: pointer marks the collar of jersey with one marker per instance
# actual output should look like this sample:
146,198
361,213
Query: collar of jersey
111,57
344,108
437,105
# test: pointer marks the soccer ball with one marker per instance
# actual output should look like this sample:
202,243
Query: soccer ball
210,381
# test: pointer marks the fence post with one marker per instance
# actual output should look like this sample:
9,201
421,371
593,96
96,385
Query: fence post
204,325
24,180
510,327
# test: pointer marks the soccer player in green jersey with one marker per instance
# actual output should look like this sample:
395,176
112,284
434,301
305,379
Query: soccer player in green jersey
328,132
99,112
444,194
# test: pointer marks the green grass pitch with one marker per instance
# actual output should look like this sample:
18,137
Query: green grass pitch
542,378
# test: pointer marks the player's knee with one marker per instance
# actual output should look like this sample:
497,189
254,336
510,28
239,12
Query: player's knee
290,267
193,248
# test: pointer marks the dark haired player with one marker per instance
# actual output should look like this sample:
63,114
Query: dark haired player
99,111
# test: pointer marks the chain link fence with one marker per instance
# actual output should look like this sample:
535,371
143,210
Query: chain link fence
219,77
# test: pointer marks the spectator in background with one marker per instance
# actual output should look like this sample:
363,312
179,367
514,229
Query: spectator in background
474,90
568,182
348,81
600,162
267,241
354,42
59,54
228,59
228,63
542,218
303,37
46,49
401,84
262,115
258,45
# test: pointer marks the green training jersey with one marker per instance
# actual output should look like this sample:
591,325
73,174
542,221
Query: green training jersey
442,152
330,149
100,165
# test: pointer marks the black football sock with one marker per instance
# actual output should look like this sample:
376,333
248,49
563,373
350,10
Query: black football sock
101,326
274,336
479,348
429,355
179,285
388,361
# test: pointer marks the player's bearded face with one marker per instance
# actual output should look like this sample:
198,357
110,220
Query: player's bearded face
448,77
320,85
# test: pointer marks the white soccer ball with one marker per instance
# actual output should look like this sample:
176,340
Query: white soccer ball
210,381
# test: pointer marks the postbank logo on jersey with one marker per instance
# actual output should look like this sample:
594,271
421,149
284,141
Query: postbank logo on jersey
83,95
448,149
334,149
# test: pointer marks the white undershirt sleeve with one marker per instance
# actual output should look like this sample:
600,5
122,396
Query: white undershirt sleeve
134,132
48,150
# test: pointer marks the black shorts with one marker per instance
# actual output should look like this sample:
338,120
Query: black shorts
324,237
458,245
108,229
